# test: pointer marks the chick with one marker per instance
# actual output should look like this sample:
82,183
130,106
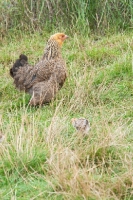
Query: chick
81,124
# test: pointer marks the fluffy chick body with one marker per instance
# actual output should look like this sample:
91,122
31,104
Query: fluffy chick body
81,125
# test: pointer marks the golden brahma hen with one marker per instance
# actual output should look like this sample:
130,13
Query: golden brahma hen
47,77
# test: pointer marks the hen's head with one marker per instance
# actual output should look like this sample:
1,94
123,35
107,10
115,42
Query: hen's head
59,38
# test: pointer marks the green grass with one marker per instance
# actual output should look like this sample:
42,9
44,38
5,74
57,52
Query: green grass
84,16
42,156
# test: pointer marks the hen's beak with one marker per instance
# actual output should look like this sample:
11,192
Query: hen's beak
66,36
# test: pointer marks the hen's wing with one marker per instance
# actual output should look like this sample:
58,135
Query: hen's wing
28,76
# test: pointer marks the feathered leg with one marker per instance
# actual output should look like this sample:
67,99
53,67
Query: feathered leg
43,92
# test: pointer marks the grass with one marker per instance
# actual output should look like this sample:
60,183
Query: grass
86,15
42,156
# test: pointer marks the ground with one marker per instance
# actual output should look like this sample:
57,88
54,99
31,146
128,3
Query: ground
42,156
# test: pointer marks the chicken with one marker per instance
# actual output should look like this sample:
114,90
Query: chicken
47,77
81,124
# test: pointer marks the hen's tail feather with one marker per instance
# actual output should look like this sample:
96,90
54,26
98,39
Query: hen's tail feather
22,72
23,60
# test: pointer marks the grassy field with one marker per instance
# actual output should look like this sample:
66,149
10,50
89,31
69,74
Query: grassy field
42,156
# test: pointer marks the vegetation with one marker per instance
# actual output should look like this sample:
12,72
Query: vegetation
83,16
42,156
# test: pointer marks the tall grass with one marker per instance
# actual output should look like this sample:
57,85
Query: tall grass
83,16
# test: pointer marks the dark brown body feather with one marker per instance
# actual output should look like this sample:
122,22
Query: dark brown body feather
43,80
